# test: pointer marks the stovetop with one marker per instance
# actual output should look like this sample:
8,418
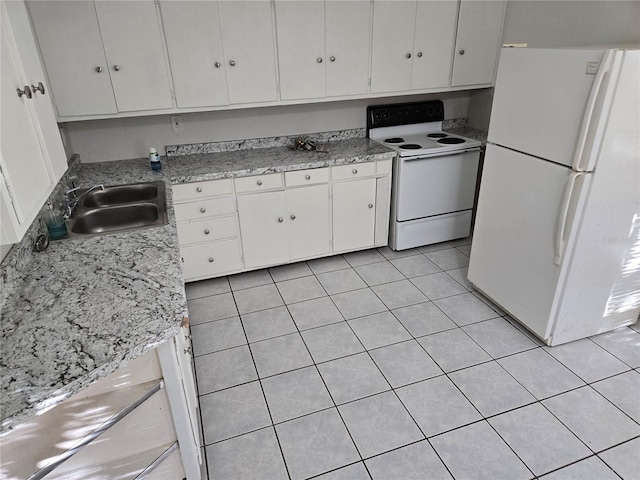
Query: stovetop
421,139
414,129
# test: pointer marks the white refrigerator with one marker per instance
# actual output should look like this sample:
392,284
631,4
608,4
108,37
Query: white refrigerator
557,233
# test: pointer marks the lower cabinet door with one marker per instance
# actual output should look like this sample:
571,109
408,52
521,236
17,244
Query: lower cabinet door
308,221
354,214
211,259
263,228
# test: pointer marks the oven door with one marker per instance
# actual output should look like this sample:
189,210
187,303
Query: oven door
435,184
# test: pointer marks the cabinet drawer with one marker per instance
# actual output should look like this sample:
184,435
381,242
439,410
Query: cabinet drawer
207,230
258,183
190,191
354,170
383,167
211,207
211,259
306,177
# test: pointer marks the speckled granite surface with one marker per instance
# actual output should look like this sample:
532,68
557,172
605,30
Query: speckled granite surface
193,168
76,312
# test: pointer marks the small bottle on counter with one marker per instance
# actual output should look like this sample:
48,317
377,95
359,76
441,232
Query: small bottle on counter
154,159
55,223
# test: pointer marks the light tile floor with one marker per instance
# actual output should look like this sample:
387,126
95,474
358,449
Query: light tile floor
388,365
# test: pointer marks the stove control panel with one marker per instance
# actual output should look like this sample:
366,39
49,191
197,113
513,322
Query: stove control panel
404,114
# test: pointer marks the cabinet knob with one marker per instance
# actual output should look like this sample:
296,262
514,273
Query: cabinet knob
419,54
203,210
354,171
199,189
461,52
217,64
332,58
26,91
39,88
116,68
280,220
259,182
206,231
371,205
408,55
307,177
210,259
232,63
293,217
319,59
99,69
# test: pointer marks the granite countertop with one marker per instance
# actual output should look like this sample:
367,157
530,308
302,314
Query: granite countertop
76,312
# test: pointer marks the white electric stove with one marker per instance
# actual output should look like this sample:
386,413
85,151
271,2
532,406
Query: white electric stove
434,175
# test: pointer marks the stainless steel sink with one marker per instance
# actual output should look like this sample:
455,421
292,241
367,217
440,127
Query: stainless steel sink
118,194
119,208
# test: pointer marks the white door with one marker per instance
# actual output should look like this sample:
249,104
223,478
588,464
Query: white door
194,43
434,41
392,48
348,42
301,58
354,214
540,98
263,229
513,251
133,45
308,221
247,35
478,42
80,80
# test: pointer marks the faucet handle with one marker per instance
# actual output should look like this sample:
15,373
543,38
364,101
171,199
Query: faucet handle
71,193
71,182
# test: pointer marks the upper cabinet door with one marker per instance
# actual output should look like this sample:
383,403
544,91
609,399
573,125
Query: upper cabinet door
301,48
71,46
348,41
133,44
194,43
247,34
434,41
392,48
477,42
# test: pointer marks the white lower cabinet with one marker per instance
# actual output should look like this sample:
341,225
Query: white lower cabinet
281,218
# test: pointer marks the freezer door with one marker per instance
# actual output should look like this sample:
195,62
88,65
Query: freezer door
514,241
541,97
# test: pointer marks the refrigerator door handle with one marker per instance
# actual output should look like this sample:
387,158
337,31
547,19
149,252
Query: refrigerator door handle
561,224
589,118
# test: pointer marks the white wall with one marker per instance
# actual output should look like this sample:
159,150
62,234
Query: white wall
103,140
561,23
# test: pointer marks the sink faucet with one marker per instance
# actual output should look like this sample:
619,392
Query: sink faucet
72,200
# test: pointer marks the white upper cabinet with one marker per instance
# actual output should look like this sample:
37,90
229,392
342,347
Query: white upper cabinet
32,157
477,42
412,45
103,57
323,48
194,43
249,50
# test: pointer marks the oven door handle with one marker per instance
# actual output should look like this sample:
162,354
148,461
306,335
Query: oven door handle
443,154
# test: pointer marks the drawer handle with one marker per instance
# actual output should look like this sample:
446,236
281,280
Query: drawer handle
307,177
280,220
203,210
259,182
354,171
293,217
371,205
206,231
210,259
199,189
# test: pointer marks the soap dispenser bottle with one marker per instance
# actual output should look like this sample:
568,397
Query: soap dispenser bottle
55,223
154,159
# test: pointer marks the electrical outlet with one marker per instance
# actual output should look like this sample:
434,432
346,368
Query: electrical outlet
176,123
